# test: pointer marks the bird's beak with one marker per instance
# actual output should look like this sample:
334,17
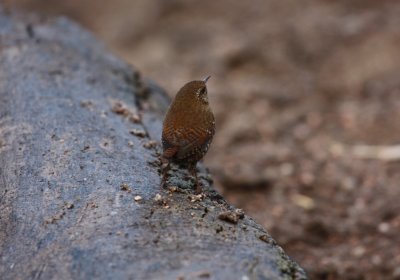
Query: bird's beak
206,79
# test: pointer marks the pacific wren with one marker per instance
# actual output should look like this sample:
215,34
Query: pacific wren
188,128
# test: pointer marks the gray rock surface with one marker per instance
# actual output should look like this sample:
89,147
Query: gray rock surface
80,192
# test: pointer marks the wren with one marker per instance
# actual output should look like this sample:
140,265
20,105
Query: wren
188,129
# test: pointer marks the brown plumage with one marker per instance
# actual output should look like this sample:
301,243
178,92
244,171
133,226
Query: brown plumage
188,128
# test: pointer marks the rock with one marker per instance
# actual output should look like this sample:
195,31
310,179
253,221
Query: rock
72,173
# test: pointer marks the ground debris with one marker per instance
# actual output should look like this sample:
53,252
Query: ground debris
55,218
240,213
69,205
125,187
135,118
150,144
160,200
267,239
219,229
119,108
385,153
303,201
138,132
231,216
173,189
198,197
200,274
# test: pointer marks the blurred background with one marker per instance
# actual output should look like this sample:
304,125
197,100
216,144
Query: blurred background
307,100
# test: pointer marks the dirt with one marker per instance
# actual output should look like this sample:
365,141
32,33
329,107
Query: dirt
231,216
297,87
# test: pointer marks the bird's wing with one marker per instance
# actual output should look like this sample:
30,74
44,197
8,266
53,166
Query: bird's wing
196,140
170,152
171,140
183,142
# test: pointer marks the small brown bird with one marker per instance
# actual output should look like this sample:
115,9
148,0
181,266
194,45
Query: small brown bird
188,128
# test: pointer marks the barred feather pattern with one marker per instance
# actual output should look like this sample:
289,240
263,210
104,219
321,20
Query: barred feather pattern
187,144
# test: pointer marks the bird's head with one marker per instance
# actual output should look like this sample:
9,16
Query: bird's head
195,91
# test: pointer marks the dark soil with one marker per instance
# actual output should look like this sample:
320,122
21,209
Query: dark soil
298,88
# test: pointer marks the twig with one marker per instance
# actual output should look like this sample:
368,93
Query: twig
386,153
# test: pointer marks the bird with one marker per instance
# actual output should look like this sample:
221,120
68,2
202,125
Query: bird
188,129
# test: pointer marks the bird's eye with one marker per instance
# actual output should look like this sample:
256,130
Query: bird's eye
202,91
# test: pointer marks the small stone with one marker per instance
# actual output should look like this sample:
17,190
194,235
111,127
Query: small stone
195,198
69,205
138,198
130,144
135,118
383,227
120,109
158,198
138,132
359,251
267,239
229,216
286,169
303,201
150,144
239,213
264,238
